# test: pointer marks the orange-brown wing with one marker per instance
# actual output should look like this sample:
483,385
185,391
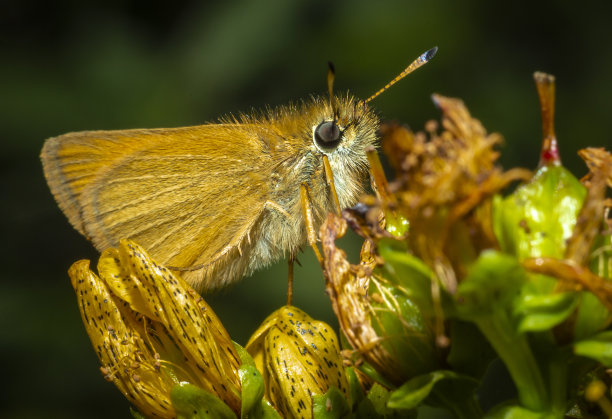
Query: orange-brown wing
189,195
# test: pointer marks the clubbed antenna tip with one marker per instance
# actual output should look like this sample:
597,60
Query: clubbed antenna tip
421,60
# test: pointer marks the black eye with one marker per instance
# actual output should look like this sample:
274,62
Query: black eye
327,135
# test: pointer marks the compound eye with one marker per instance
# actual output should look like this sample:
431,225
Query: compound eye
327,135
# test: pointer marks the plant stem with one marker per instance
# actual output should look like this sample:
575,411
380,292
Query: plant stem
514,351
557,374
555,362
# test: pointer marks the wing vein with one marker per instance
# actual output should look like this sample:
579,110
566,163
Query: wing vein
143,198
173,230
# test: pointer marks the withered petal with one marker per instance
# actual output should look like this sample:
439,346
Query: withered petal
126,359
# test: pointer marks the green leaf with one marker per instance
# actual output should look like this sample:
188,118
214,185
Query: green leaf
492,283
252,391
412,393
599,347
254,406
331,405
593,316
355,389
191,402
379,396
517,412
543,312
366,410
375,406
371,373
268,411
245,357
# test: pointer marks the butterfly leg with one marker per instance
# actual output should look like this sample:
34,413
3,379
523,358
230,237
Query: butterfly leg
329,177
378,179
290,288
311,233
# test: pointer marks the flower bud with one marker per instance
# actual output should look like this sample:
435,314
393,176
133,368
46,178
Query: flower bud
298,357
152,332
538,217
380,310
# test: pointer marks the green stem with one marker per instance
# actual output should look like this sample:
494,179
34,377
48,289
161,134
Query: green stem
556,361
557,374
514,351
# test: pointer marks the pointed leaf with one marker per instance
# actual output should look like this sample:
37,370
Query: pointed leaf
457,391
374,375
543,312
411,394
374,407
268,412
599,347
517,412
355,389
593,316
330,405
378,397
191,402
252,389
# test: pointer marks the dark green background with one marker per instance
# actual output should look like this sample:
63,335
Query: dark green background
71,65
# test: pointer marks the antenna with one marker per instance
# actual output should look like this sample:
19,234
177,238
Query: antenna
421,60
331,74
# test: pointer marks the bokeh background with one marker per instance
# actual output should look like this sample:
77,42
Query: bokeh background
70,65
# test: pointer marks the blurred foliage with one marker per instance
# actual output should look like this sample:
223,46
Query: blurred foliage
69,66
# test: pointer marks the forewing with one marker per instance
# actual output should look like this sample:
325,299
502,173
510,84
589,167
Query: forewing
191,196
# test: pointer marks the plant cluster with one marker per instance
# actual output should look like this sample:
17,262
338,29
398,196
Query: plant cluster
456,271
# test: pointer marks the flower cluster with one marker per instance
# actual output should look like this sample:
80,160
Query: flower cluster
168,353
454,274
456,269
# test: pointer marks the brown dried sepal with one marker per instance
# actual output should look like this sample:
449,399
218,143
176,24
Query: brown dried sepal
595,159
347,286
574,276
590,221
443,186
367,220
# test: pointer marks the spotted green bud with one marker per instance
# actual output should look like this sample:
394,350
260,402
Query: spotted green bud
538,218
